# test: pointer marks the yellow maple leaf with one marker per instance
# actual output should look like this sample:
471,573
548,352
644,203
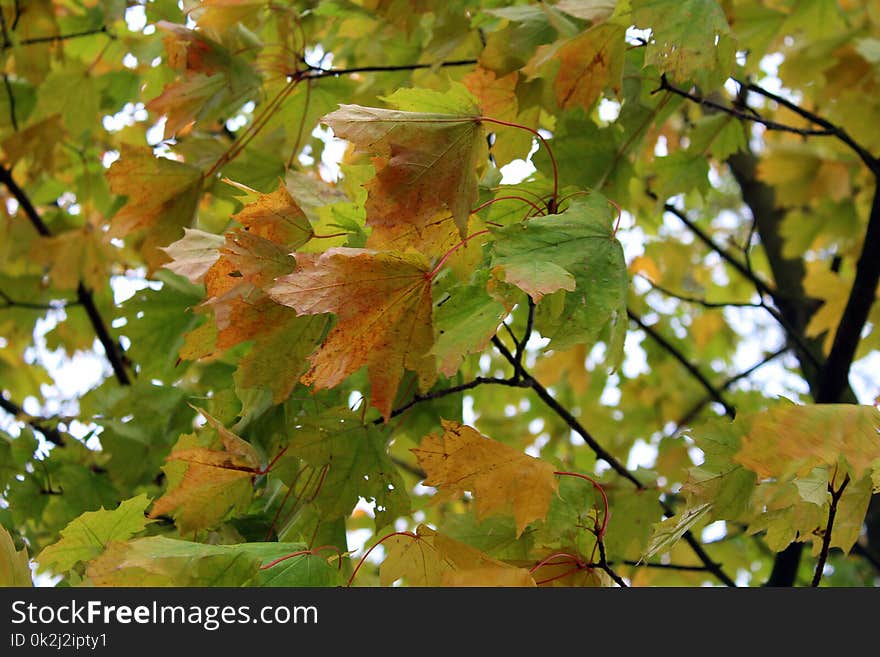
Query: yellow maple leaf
500,477
497,98
789,441
383,305
429,558
213,480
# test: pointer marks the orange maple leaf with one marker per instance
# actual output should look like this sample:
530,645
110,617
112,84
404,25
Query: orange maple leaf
383,304
499,476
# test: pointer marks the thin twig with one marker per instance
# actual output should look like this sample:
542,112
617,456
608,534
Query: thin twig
112,349
830,128
667,566
521,344
618,467
680,357
604,565
740,114
437,394
760,286
693,412
315,72
826,538
60,37
8,302
49,433
696,300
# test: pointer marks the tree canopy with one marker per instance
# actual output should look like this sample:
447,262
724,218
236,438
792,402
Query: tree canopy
370,292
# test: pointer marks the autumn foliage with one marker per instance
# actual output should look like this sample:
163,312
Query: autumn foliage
442,294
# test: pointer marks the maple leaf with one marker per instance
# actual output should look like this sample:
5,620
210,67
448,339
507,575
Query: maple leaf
383,305
163,561
276,217
788,441
690,37
194,254
185,101
585,65
161,199
235,278
497,98
576,252
466,322
426,161
75,256
356,463
14,569
429,558
87,536
206,483
500,477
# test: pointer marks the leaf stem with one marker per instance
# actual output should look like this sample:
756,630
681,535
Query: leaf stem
373,547
506,198
551,206
430,275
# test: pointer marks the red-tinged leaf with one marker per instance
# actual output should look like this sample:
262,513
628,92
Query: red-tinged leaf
425,161
184,101
383,305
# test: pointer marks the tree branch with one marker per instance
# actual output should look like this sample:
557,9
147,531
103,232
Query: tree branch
834,377
60,37
314,72
437,394
521,344
667,566
692,413
740,114
8,302
680,357
762,288
601,453
604,565
826,538
83,294
760,285
49,433
830,128
697,300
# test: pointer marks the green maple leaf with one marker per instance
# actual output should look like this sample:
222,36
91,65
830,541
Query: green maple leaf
90,534
14,569
356,463
575,256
